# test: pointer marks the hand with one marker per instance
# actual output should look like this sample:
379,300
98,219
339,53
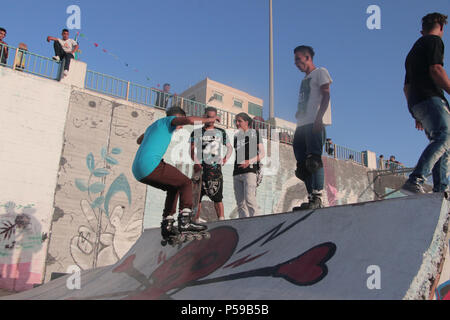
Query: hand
318,126
197,167
213,120
419,125
224,161
245,165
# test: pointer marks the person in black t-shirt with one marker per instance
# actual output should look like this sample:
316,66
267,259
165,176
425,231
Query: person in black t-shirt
424,84
249,153
208,142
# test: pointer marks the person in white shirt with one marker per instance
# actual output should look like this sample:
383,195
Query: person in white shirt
313,115
65,48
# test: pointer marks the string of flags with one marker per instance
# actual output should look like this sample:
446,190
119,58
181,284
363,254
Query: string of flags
116,57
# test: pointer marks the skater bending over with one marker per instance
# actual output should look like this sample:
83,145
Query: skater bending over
149,168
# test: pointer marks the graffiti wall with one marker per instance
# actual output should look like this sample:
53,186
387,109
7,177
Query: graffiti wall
32,118
346,182
99,207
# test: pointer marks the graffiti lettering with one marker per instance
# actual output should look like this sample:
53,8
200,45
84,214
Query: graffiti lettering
244,260
275,232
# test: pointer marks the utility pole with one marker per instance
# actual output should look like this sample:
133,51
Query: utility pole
271,94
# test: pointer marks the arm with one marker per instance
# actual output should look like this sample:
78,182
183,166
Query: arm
140,139
49,38
325,90
183,121
229,153
197,163
440,77
75,49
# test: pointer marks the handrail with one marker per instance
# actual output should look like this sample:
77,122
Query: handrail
158,99
23,60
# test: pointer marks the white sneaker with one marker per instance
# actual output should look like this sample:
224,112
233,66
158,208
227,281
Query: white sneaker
66,73
56,58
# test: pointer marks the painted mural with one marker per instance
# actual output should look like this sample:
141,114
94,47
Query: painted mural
99,206
20,239
104,238
197,261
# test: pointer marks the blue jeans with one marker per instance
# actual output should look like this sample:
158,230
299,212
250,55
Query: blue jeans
307,143
434,114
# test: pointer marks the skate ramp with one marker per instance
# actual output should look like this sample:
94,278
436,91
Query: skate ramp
377,250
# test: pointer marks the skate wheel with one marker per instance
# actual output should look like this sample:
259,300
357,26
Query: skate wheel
164,243
199,236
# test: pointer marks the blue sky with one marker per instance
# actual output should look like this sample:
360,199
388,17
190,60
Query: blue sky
183,41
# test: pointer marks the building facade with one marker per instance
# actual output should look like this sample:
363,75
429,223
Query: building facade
221,96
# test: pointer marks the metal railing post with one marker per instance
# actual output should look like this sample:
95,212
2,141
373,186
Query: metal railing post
15,58
128,90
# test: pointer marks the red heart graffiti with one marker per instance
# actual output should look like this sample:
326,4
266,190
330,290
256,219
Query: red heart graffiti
308,268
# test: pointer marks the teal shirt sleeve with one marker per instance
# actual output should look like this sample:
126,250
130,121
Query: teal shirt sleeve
168,123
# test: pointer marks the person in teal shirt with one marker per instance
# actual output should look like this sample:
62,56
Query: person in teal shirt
149,168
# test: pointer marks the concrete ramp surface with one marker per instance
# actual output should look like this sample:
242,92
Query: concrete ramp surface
377,250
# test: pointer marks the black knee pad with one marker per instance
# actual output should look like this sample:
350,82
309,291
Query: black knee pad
301,171
313,163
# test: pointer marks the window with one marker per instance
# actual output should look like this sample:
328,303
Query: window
255,110
237,103
218,96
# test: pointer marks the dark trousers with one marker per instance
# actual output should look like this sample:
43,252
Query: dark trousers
170,179
62,54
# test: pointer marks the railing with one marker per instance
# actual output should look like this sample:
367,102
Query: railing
26,61
158,99
343,153
106,84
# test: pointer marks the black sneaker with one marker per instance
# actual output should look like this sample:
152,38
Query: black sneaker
316,203
413,187
304,205
167,227
185,223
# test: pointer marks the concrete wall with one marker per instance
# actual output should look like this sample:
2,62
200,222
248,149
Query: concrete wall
346,182
99,206
32,118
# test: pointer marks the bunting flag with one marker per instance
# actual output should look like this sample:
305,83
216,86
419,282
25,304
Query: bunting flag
97,45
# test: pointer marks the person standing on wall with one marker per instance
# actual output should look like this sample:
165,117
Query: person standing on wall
313,115
425,83
162,97
249,153
3,49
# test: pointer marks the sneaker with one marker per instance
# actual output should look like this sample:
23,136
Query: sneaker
56,58
167,227
413,187
316,202
185,223
200,220
66,73
304,205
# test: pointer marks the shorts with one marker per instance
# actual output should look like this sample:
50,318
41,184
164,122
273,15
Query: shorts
212,184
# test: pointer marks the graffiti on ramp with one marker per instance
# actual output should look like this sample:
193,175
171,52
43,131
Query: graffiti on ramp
197,260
